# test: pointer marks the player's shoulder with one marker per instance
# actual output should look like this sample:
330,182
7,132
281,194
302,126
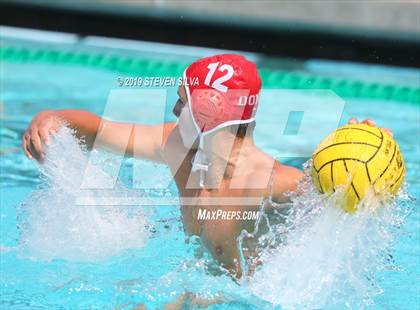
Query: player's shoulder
281,170
285,179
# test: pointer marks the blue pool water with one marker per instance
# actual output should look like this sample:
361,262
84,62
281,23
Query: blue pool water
56,254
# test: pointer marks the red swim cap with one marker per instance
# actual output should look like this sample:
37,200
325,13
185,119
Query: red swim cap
222,90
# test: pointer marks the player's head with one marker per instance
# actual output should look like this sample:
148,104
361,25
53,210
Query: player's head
219,92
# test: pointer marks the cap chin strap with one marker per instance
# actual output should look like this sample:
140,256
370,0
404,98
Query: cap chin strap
200,163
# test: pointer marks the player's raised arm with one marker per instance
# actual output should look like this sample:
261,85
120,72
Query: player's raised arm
138,140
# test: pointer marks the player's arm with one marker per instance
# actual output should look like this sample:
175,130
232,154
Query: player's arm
285,180
123,138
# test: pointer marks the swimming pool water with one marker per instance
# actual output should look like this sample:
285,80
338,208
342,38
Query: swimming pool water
167,264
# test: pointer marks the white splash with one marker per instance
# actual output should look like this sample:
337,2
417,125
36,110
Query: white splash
328,258
53,225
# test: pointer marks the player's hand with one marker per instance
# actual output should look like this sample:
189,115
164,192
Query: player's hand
369,122
38,132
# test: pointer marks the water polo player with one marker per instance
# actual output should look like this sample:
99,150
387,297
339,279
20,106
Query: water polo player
210,151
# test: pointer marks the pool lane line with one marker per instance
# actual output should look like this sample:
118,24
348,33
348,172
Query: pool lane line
151,67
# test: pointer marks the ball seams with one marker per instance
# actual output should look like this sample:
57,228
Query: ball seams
346,143
399,177
338,159
387,166
368,174
351,182
355,128
320,184
380,145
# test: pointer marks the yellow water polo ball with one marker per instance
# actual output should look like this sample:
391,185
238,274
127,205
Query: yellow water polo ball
357,158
